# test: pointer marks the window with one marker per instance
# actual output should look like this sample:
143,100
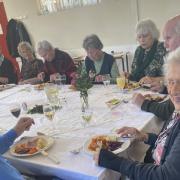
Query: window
50,6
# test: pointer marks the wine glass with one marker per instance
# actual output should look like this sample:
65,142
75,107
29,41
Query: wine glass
15,109
106,79
121,81
49,112
86,116
52,93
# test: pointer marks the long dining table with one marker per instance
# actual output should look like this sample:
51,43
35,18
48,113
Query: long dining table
70,134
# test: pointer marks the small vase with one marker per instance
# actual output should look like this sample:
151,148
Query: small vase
84,100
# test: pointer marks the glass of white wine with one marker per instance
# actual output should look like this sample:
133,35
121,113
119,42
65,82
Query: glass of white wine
121,81
86,116
49,112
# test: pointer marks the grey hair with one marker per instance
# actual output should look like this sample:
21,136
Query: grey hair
172,58
147,26
92,41
44,45
27,45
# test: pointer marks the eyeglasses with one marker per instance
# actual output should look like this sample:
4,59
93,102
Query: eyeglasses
171,82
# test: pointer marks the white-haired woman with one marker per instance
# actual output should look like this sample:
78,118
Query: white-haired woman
166,145
148,58
31,66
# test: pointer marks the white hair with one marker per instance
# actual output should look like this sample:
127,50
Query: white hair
44,45
172,58
147,26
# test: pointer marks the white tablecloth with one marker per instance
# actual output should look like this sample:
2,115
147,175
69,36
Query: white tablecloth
71,133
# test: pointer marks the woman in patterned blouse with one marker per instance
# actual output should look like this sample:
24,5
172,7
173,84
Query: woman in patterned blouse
148,58
31,66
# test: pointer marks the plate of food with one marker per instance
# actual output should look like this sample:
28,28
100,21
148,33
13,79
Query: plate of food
39,86
155,97
131,85
110,142
29,146
113,102
6,86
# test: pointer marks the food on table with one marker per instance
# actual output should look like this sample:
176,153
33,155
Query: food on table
36,109
131,85
31,146
154,97
113,102
39,86
104,141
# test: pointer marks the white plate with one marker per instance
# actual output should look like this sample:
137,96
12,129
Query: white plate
49,140
124,146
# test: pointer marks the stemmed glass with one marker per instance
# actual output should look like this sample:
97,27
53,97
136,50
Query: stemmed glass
106,79
86,116
15,109
49,112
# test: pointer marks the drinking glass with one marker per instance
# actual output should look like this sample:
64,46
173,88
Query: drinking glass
52,93
15,109
86,116
49,112
121,81
106,79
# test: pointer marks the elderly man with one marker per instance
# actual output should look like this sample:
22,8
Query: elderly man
57,62
166,145
171,34
7,72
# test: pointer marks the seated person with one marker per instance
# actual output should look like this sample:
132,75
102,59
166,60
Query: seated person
31,66
148,58
7,71
7,171
166,145
56,62
98,62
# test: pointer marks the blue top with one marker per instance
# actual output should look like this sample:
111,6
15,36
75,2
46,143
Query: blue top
7,171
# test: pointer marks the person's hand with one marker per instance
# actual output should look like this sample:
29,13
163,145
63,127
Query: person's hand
41,76
96,156
126,74
146,80
132,132
138,99
53,77
23,124
3,80
157,86
99,78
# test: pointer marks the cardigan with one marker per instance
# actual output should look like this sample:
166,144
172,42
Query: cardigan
169,168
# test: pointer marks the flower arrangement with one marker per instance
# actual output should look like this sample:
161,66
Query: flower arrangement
82,82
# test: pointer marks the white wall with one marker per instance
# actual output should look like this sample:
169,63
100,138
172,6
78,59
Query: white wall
112,20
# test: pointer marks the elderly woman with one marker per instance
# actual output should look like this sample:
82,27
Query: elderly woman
97,61
31,66
166,145
57,62
148,58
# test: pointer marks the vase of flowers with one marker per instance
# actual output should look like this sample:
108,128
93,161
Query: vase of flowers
82,82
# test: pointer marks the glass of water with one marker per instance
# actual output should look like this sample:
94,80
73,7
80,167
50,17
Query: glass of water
106,79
